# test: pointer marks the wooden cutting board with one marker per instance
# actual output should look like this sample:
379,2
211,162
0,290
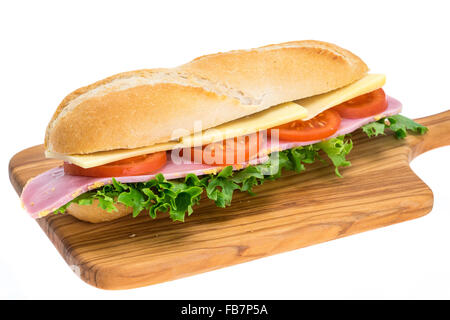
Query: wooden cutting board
292,212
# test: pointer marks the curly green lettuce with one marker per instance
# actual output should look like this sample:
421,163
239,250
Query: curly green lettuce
398,124
178,197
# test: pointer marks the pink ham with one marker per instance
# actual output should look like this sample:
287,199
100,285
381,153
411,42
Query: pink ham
52,189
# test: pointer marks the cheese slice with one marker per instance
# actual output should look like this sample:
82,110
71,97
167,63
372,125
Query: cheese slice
322,102
98,158
269,118
303,109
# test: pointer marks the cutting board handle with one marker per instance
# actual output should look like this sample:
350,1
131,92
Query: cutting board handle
437,136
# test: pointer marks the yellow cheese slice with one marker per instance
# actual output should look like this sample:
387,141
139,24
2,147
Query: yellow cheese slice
271,117
103,157
303,109
322,102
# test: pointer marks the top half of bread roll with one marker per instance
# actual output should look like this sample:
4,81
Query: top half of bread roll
144,107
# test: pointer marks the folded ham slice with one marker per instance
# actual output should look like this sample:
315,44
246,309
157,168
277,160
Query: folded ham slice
48,191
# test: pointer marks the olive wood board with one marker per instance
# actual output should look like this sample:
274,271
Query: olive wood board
294,211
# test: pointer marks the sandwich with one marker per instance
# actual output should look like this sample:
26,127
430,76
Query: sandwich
161,140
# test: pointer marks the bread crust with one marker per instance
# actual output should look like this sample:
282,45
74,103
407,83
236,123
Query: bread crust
145,107
94,214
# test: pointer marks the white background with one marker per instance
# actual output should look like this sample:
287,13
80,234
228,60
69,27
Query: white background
50,48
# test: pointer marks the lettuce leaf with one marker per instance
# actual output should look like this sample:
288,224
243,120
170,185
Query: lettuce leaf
178,197
398,124
374,129
336,149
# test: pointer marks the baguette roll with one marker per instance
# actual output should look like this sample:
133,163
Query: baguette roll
95,214
145,107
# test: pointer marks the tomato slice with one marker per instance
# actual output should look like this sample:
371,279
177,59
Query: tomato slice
366,105
134,166
228,152
321,126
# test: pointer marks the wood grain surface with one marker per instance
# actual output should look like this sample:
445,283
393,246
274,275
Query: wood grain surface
292,212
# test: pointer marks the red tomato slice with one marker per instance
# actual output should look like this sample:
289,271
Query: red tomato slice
320,127
366,105
228,152
134,166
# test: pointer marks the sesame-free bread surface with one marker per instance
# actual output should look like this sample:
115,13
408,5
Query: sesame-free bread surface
145,107
95,214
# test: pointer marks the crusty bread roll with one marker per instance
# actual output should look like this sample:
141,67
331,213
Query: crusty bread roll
144,107
94,214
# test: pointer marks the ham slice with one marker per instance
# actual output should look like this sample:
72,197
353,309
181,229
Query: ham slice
52,189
